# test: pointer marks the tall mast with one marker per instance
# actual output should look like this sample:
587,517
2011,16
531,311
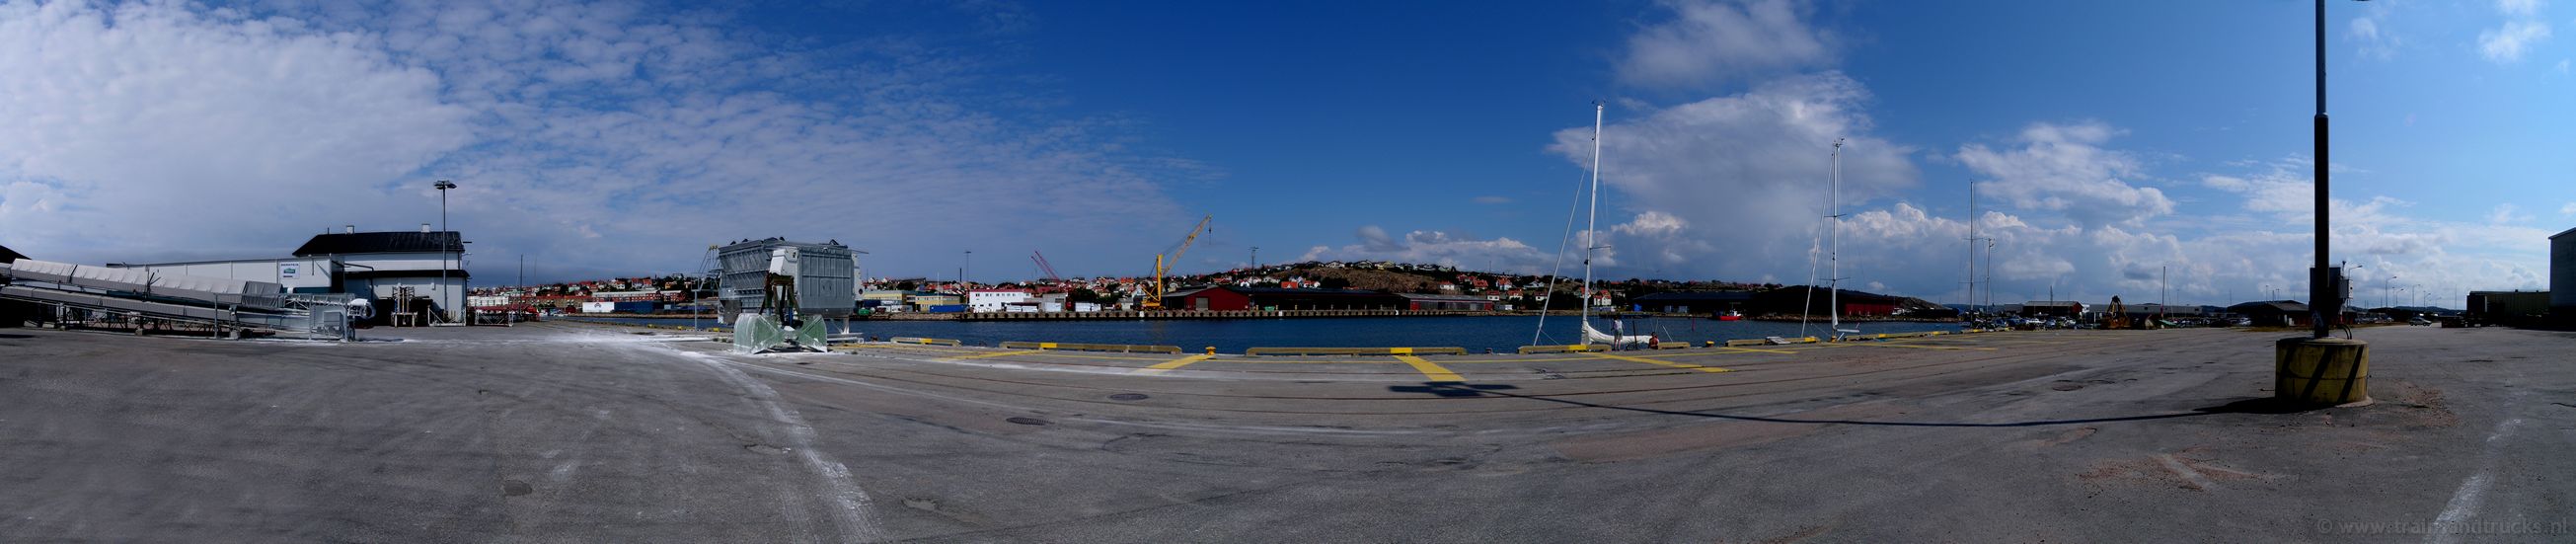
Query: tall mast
1833,302
1591,218
1971,302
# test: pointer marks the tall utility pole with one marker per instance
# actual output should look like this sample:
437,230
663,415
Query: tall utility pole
443,186
2324,302
1256,256
962,269
1833,302
2384,298
1972,247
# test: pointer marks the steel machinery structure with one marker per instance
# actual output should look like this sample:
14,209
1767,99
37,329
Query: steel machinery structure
1163,264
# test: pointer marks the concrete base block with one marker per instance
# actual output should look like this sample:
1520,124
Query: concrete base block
2321,371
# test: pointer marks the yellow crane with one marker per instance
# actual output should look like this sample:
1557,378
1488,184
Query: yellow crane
1162,265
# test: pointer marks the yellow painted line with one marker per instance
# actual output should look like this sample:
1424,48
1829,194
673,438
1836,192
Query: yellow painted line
1167,366
1659,363
1430,370
993,354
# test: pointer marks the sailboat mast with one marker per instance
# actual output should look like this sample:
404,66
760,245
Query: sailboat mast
1833,302
1591,218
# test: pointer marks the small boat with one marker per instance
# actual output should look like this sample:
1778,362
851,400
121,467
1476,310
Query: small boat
1730,315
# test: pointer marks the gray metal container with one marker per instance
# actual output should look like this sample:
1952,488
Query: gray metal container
826,283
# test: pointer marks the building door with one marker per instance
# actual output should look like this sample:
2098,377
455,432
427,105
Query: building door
1201,303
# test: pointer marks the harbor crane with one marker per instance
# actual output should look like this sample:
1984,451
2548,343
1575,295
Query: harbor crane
1054,282
1163,265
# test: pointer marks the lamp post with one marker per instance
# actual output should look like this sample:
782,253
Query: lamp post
2320,369
2325,293
442,186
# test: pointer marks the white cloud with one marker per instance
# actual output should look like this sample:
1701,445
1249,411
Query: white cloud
2507,44
1698,174
138,127
2562,66
2371,35
1652,223
2063,168
1718,41
2519,8
2569,209
601,138
1436,247
2505,213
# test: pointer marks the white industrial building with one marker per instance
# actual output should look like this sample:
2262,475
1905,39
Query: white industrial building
372,264
994,300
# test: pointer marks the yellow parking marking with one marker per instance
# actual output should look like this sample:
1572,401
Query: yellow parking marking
1167,366
1430,370
993,354
1659,363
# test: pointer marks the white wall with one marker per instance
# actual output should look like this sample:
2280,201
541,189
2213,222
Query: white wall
983,301
309,272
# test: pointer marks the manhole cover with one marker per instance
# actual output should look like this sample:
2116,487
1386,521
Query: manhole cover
1128,396
1027,421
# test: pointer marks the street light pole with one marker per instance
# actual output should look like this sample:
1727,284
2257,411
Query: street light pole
443,186
2324,299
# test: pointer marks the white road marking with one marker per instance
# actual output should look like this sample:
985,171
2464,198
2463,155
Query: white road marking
2187,473
2464,503
851,512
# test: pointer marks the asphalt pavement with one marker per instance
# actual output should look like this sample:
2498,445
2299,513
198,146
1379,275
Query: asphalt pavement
564,432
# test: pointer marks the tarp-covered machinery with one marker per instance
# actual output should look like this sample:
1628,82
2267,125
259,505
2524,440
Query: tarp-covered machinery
776,324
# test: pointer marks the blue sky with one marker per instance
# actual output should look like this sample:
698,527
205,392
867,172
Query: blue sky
2112,142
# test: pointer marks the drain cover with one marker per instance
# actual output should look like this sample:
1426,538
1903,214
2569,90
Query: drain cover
1128,396
1027,421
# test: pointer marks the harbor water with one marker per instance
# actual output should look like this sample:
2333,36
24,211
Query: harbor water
1502,334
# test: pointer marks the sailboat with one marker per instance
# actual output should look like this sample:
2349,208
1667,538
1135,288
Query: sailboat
1590,222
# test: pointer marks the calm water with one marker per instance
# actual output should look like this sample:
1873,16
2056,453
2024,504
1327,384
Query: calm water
1500,333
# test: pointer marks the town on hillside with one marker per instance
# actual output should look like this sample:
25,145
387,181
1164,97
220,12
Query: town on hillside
1313,285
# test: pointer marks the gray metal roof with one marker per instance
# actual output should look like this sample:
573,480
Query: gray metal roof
381,242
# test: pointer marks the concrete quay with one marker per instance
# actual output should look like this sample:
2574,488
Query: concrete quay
594,433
